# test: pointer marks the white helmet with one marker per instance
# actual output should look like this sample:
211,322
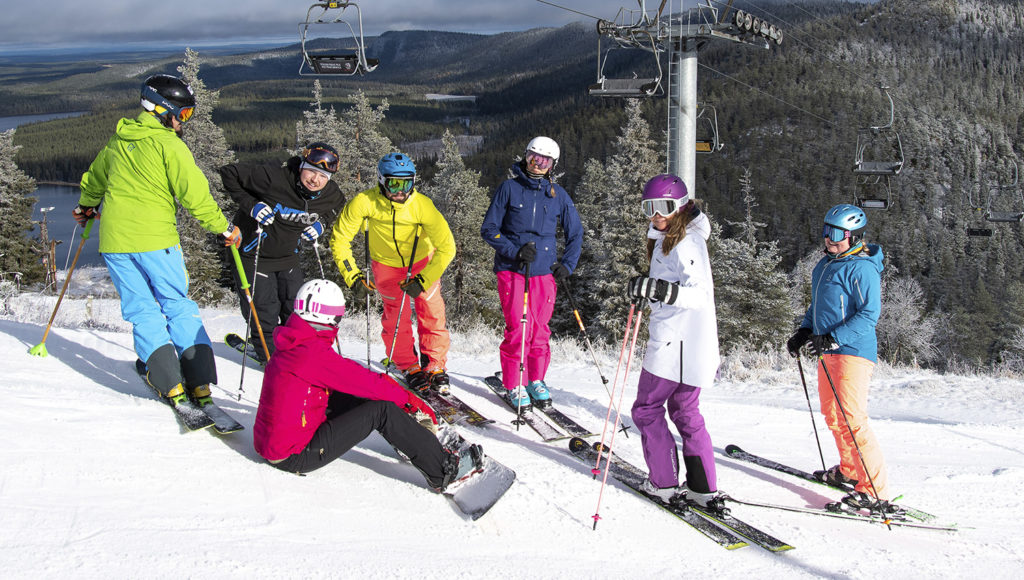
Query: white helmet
545,146
320,302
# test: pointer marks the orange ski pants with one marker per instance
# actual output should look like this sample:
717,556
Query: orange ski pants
851,375
431,323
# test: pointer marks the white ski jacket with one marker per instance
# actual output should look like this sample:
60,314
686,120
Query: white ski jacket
683,342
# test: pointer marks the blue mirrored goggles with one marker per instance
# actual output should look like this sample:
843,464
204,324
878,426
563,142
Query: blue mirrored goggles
835,234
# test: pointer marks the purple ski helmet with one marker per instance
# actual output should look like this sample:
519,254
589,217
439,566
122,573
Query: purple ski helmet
664,194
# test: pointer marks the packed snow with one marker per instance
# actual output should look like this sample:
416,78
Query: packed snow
99,480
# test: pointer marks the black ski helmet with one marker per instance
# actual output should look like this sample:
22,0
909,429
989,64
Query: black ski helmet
167,96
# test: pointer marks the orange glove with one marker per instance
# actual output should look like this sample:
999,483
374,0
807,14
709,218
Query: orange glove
415,404
233,236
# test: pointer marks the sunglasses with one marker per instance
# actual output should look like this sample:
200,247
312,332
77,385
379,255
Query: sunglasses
538,161
322,158
834,234
398,185
665,207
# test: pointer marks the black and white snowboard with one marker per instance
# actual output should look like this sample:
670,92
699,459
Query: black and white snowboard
476,494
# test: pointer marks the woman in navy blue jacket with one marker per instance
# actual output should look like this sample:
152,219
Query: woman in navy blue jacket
521,225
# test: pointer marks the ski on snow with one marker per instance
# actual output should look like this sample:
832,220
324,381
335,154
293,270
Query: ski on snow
734,452
253,351
448,407
559,418
848,515
546,430
722,536
192,415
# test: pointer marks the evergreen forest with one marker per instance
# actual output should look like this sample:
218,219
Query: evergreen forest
789,118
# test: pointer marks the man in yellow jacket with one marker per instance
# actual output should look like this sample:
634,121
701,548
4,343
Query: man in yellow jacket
141,175
401,221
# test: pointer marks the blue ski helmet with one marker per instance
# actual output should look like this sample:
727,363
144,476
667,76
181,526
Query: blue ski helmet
396,174
845,221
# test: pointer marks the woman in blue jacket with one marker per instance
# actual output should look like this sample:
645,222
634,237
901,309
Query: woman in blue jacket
840,327
521,224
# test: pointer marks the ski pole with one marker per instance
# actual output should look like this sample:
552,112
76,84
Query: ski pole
611,442
248,318
807,395
522,346
40,349
366,266
401,306
821,359
590,347
252,310
615,384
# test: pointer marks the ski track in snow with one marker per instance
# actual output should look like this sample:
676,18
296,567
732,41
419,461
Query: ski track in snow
98,479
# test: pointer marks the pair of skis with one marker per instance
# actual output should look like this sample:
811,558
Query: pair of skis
550,423
196,415
906,517
724,529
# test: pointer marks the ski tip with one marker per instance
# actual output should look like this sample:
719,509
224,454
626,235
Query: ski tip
732,449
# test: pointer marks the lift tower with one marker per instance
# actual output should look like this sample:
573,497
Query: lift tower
682,36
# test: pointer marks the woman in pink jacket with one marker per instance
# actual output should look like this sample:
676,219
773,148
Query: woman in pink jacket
316,404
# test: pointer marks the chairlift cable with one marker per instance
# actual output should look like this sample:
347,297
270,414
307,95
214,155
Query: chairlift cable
767,94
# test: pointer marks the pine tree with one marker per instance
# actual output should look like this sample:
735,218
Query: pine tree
469,288
751,292
19,256
614,246
209,277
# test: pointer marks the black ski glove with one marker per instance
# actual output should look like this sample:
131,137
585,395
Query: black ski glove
413,286
820,343
798,340
560,272
527,254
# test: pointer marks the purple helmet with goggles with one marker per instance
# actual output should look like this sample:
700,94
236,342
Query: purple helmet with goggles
664,194
845,221
320,302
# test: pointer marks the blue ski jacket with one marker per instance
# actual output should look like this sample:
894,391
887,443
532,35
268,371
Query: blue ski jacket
525,210
846,300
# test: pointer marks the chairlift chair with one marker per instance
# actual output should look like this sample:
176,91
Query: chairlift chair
872,139
707,118
636,35
873,192
976,205
323,62
1011,190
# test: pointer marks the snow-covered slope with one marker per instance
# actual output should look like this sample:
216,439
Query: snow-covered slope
98,480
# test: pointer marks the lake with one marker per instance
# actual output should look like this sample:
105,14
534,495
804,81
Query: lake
18,120
61,226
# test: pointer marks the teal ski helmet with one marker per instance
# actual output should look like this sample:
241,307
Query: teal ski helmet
845,221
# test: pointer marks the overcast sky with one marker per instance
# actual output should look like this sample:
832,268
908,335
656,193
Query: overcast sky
55,23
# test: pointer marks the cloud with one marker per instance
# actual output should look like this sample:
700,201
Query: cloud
114,22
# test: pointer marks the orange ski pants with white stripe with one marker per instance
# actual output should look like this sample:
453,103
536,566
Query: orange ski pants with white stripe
851,375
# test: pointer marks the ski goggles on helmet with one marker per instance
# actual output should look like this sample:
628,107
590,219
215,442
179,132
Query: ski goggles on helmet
834,234
185,113
397,185
664,207
539,162
322,158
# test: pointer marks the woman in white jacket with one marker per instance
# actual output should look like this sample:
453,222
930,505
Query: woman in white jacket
682,350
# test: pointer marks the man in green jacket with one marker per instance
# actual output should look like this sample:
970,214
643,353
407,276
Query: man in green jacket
138,176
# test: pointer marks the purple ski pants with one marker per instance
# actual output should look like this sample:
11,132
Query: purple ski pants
654,395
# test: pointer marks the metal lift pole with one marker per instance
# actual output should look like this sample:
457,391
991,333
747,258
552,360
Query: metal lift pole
682,113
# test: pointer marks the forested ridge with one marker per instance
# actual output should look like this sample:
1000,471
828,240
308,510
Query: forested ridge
788,117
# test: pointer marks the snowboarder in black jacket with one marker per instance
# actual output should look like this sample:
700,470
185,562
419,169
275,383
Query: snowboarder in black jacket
280,206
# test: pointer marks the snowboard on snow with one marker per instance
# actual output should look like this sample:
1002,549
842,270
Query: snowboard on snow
193,415
477,493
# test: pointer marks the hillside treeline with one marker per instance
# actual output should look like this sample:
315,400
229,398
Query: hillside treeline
788,116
